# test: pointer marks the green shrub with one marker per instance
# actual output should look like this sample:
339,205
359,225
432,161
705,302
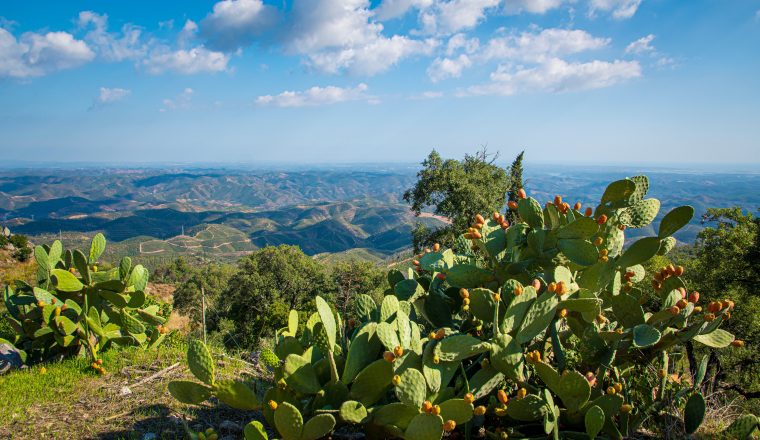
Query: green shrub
479,339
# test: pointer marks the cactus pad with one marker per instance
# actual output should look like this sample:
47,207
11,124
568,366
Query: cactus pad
527,409
717,338
573,389
254,430
318,426
288,421
352,411
236,394
674,220
694,412
457,410
743,427
645,336
372,382
300,375
538,317
459,347
424,427
594,421
188,392
200,362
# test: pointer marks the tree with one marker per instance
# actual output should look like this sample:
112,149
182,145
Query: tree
267,284
515,173
354,277
457,190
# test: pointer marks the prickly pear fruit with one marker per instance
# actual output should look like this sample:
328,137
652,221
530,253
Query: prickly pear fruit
449,426
737,343
479,410
521,194
469,398
602,219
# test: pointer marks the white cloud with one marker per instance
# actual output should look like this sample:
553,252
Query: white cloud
447,17
185,61
531,6
183,101
337,35
109,95
236,23
642,45
35,54
537,46
443,68
460,41
556,76
317,96
111,46
621,9
187,34
390,9
427,95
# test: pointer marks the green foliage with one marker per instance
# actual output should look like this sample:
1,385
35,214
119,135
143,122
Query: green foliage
496,321
78,307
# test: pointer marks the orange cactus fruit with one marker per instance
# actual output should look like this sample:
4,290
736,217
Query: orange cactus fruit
709,317
714,307
558,201
694,297
562,288
679,271
602,219
427,406
522,392
536,284
552,287
737,343
682,304
496,297
502,395
521,194
389,357
626,408
441,276
618,387
562,313
512,205
398,351
577,206
479,219
661,373
674,310
436,247
431,335
464,293
440,334
518,290
469,398
415,262
99,361
479,410
449,426
671,269
589,212
496,216
598,241
477,235
272,405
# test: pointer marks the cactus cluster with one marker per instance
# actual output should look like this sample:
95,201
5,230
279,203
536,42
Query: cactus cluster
479,339
76,308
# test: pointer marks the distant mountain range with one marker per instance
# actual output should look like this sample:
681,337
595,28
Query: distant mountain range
334,212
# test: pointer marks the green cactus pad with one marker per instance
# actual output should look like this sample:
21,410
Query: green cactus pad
130,323
594,421
666,245
530,211
573,389
320,339
639,252
581,228
627,310
484,381
97,246
188,392
538,317
743,427
507,357
645,336
287,346
372,382
618,190
674,220
138,278
467,276
365,307
288,421
65,281
269,359
527,409
363,350
387,334
581,305
515,313
580,252
200,361
327,318
694,412
254,430
236,394
548,375
482,304
717,338
412,388
424,427
318,427
457,410
396,414
459,347
640,214
300,375
388,308
352,411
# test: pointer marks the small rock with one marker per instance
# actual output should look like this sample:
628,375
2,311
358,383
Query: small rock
149,436
229,425
125,391
10,358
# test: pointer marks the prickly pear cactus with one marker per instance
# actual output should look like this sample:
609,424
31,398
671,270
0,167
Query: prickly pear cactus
79,306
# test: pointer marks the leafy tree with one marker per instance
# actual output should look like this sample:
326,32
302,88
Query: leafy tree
457,190
267,284
354,277
213,278
177,271
515,172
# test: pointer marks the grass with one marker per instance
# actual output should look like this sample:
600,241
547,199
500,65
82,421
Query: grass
71,401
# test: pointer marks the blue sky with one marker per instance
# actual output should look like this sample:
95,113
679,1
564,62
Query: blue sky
577,81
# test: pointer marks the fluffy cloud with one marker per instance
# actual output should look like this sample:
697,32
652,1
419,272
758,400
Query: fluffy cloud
443,68
317,96
390,9
642,45
109,96
185,61
620,9
531,6
182,101
447,17
537,46
556,76
337,35
35,54
460,41
111,46
236,23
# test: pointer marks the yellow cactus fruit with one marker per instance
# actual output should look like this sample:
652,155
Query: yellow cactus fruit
737,343
396,380
272,405
661,373
522,392
618,387
496,297
611,390
436,360
398,351
469,398
436,247
518,290
626,408
436,410
464,293
449,426
479,410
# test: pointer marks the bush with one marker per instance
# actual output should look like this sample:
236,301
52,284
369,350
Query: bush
537,329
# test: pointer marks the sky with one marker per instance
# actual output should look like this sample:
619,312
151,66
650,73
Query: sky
327,81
